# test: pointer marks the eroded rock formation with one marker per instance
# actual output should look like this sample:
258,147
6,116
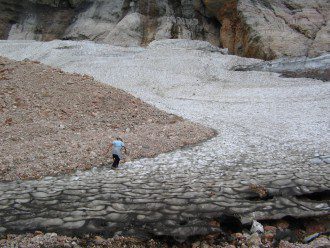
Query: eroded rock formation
119,22
264,29
273,28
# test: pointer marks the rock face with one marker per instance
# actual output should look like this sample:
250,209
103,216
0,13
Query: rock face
264,29
140,22
270,29
118,22
35,19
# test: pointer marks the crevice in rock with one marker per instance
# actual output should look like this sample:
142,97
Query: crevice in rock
64,4
316,196
177,7
259,198
175,30
289,6
125,9
264,3
230,223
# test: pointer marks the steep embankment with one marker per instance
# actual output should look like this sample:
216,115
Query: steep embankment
264,29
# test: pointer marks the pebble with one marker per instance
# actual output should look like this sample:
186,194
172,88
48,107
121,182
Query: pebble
254,241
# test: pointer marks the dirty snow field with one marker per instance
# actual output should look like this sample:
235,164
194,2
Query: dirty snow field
260,117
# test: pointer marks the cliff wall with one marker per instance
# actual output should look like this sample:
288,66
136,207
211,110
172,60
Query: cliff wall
264,29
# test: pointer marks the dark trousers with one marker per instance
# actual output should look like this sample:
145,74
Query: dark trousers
116,160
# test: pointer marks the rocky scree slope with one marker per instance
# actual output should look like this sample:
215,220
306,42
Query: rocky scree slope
264,29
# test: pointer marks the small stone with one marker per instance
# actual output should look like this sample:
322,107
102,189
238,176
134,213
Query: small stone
285,234
269,237
311,237
271,229
212,237
196,244
204,244
9,121
214,223
238,236
257,227
52,235
282,224
254,240
36,233
99,240
259,189
316,228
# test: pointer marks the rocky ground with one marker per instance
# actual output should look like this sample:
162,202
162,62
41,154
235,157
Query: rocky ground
53,122
285,233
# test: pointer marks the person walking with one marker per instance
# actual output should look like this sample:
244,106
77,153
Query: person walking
117,146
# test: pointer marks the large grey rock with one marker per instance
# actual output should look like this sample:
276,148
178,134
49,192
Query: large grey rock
96,21
318,67
128,32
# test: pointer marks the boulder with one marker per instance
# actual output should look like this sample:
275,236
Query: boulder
128,32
